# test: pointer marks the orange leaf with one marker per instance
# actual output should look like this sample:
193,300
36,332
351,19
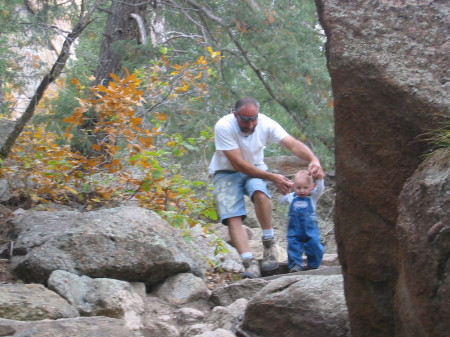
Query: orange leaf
308,79
69,119
115,162
161,116
114,77
146,141
330,103
136,120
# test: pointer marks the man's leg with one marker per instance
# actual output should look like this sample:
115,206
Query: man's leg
238,234
263,210
229,197
239,239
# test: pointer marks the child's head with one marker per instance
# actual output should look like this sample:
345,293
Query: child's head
303,183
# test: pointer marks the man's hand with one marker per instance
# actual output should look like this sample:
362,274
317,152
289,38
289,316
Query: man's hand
316,170
300,150
282,183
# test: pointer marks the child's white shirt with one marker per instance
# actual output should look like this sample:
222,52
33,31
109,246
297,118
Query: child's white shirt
314,195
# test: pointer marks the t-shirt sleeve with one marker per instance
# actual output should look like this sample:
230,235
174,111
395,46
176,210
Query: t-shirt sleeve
224,139
277,132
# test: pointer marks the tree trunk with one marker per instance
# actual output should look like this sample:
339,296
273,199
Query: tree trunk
121,26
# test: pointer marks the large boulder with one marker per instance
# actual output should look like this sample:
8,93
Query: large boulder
124,243
301,306
423,287
387,62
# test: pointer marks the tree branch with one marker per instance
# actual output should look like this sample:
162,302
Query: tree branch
244,54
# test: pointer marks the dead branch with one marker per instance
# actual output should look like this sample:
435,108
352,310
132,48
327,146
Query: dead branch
141,27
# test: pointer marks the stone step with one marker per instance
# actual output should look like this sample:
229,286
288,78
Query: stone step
283,270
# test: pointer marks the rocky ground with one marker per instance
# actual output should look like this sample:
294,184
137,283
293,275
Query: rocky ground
214,278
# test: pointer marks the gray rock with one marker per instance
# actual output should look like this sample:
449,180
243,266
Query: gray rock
197,329
6,330
205,244
189,315
73,327
33,302
161,329
99,297
125,243
183,288
5,194
217,333
423,227
303,306
228,317
245,288
388,64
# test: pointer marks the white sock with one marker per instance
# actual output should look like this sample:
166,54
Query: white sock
268,234
247,255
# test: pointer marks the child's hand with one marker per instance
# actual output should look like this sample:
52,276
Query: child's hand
319,174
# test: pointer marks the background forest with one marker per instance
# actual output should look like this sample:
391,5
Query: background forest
127,107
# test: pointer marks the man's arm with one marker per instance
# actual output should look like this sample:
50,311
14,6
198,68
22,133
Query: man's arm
300,150
282,183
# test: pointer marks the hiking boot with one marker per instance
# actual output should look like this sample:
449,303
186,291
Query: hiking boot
270,255
251,268
295,269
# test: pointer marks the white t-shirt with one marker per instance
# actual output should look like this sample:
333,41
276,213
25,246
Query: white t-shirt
228,136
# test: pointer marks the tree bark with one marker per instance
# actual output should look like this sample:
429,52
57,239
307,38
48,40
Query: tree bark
121,26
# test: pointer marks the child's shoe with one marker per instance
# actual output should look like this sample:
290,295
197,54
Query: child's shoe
295,269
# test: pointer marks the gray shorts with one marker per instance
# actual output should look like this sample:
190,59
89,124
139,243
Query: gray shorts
229,190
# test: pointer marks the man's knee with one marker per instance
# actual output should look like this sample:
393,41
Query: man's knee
259,196
234,222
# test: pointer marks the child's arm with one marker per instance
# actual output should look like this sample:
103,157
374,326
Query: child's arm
318,190
286,199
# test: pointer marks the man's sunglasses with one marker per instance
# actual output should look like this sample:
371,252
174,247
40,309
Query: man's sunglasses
247,119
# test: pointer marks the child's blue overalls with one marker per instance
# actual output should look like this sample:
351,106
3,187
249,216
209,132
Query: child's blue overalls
303,234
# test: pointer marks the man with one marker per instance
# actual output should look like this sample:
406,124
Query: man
238,168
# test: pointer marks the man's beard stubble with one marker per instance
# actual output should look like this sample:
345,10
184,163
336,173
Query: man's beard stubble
247,131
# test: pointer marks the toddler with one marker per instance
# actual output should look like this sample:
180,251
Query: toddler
303,232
